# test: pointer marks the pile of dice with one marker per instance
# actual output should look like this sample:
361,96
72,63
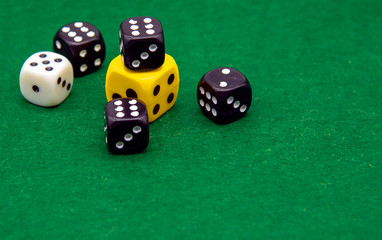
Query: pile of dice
141,85
142,82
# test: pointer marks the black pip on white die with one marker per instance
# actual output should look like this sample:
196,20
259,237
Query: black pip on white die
83,45
126,126
224,95
142,43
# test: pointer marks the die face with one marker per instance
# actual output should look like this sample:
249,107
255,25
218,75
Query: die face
225,79
142,43
46,79
126,126
83,45
162,104
144,27
208,102
158,88
224,95
143,54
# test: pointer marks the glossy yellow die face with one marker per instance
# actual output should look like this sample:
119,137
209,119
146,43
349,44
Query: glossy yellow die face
157,88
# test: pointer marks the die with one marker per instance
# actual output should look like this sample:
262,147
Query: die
224,95
83,45
46,79
142,43
126,126
157,88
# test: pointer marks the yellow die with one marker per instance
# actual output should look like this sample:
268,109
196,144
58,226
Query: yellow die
157,88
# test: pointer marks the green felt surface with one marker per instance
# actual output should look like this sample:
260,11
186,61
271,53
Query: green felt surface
305,162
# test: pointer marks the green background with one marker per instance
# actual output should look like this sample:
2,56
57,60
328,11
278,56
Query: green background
304,163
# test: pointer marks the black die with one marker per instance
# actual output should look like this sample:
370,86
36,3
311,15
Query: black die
126,126
224,95
83,45
142,43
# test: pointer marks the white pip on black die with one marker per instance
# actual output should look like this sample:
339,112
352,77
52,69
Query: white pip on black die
224,95
126,126
142,43
83,45
46,79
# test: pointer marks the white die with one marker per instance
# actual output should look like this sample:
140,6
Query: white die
46,79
